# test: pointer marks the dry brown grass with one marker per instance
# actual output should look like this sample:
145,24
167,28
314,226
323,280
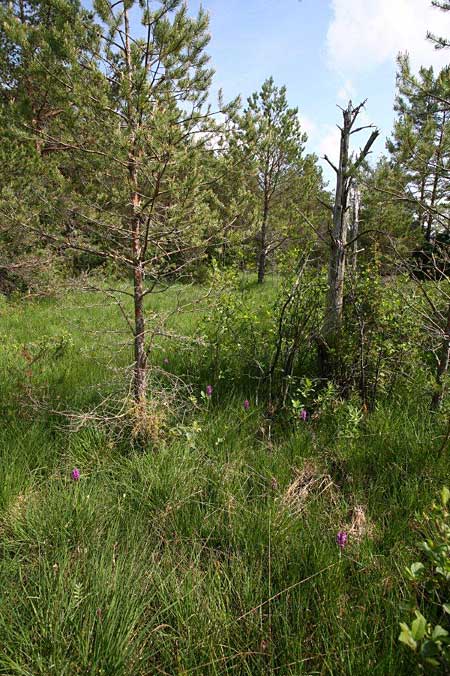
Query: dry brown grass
359,525
309,483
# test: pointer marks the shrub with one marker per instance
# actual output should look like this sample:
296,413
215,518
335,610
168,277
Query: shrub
426,637
382,339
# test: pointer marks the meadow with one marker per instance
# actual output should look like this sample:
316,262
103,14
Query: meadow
213,549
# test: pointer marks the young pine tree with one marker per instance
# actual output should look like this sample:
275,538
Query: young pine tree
135,148
420,145
42,46
273,142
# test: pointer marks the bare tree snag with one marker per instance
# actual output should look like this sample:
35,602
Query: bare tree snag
345,171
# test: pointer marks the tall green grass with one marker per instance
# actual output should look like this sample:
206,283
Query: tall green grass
188,558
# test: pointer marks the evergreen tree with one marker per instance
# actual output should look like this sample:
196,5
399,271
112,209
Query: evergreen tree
439,41
420,145
273,142
146,131
386,215
43,45
134,146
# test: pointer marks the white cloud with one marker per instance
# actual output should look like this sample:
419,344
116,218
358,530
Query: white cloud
346,92
329,142
308,125
364,34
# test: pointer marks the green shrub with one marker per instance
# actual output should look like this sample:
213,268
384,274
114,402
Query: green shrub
426,637
382,338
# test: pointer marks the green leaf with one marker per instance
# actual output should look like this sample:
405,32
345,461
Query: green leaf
438,632
432,662
419,627
445,496
406,637
446,607
416,569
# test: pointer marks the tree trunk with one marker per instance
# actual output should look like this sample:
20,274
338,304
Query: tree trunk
442,366
345,172
422,211
263,243
140,357
336,268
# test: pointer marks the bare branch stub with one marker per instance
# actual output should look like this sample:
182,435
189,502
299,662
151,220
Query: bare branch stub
333,166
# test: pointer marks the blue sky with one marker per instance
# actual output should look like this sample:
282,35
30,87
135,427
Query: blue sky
324,51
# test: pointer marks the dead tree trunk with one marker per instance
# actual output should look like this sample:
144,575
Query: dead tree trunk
345,172
336,267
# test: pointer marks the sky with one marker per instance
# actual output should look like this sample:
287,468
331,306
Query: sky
325,52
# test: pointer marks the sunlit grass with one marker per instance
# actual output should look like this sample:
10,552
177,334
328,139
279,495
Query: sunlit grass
186,558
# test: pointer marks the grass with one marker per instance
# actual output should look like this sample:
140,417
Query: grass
188,558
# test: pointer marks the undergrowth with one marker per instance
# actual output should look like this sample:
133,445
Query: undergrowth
214,550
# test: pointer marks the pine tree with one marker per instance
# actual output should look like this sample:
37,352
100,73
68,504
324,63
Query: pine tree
439,41
386,214
420,145
148,192
273,143
134,151
443,360
42,44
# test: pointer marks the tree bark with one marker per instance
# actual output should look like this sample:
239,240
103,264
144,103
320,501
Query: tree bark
140,356
336,268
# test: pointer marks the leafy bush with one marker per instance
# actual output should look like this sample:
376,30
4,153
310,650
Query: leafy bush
297,317
237,331
382,338
271,340
426,637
